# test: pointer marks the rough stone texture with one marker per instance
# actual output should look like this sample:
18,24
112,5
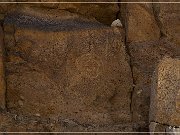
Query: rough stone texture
104,13
80,73
2,77
151,31
142,35
167,15
145,45
17,123
144,58
165,93
140,23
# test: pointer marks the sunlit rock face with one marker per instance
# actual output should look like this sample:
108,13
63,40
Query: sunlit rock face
167,16
66,67
147,43
88,66
165,98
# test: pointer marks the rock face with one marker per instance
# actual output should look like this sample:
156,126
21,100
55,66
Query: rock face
165,98
80,73
141,24
64,68
144,58
2,77
168,18
146,45
142,41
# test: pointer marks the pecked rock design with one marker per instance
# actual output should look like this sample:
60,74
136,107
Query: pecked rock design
63,68
81,73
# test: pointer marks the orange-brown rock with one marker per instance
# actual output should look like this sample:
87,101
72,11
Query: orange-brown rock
2,74
144,58
168,19
64,67
165,94
146,47
140,23
63,63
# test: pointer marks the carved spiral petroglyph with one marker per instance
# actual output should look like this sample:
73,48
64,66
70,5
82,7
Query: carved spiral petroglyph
89,65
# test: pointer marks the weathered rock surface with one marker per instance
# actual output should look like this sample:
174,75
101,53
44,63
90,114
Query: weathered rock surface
17,123
66,68
56,60
167,15
140,23
146,45
144,58
104,12
165,94
2,74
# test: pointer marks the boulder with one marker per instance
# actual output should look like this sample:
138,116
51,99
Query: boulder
140,23
165,93
62,65
144,58
167,16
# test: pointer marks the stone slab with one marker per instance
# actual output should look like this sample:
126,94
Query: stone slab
165,93
80,73
140,23
167,16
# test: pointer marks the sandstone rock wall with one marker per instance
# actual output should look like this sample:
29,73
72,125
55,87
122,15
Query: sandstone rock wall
165,93
63,68
146,44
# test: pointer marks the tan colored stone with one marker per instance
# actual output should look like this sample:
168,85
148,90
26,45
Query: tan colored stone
141,24
144,58
2,77
63,68
165,92
168,18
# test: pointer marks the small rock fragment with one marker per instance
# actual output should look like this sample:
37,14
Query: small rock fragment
116,23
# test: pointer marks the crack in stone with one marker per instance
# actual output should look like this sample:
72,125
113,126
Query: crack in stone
127,49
